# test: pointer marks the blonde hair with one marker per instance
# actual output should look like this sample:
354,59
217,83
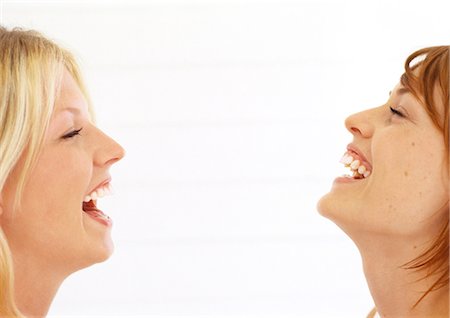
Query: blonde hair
31,70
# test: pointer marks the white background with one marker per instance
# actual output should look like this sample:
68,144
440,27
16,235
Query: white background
232,114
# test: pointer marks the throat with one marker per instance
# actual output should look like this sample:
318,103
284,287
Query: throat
395,289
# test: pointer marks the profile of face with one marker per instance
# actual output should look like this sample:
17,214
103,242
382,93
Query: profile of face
405,190
52,225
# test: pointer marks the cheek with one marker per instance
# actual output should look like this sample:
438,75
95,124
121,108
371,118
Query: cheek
410,185
50,215
402,157
57,186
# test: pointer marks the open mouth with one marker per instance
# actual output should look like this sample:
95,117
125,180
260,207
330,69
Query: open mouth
90,204
359,168
91,209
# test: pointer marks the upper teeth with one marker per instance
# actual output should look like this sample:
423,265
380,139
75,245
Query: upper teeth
355,165
99,193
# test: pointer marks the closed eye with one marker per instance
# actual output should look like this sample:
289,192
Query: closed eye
72,134
396,112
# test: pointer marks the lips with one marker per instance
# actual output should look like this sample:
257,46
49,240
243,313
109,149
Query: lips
104,188
89,204
362,158
357,163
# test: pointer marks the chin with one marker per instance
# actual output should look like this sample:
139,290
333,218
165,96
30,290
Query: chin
324,206
98,243
97,252
329,207
106,251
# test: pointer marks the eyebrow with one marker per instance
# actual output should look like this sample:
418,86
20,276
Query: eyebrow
401,91
73,110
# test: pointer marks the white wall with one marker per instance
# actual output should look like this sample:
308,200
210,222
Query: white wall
232,114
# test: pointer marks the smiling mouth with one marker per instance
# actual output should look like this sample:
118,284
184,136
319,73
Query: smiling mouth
90,204
357,166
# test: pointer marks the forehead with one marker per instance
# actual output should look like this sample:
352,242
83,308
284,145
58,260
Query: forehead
70,97
437,96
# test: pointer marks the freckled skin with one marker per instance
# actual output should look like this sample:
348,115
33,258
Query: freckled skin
395,214
391,142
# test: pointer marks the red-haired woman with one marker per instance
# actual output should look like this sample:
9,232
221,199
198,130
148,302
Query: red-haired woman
395,203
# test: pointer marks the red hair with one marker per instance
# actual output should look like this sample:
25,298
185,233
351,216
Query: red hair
428,81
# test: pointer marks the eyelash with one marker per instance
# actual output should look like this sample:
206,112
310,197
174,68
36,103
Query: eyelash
72,134
396,112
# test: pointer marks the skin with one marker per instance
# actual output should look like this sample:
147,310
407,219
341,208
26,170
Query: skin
50,236
395,214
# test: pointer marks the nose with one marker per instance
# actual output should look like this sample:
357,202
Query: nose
360,124
109,151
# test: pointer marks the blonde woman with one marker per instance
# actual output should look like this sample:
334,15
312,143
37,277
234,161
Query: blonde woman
395,203
54,165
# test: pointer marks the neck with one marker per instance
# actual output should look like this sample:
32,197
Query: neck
396,290
35,285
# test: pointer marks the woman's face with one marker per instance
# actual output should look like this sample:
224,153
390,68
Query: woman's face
408,185
51,225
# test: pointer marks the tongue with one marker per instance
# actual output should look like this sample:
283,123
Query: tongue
91,209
